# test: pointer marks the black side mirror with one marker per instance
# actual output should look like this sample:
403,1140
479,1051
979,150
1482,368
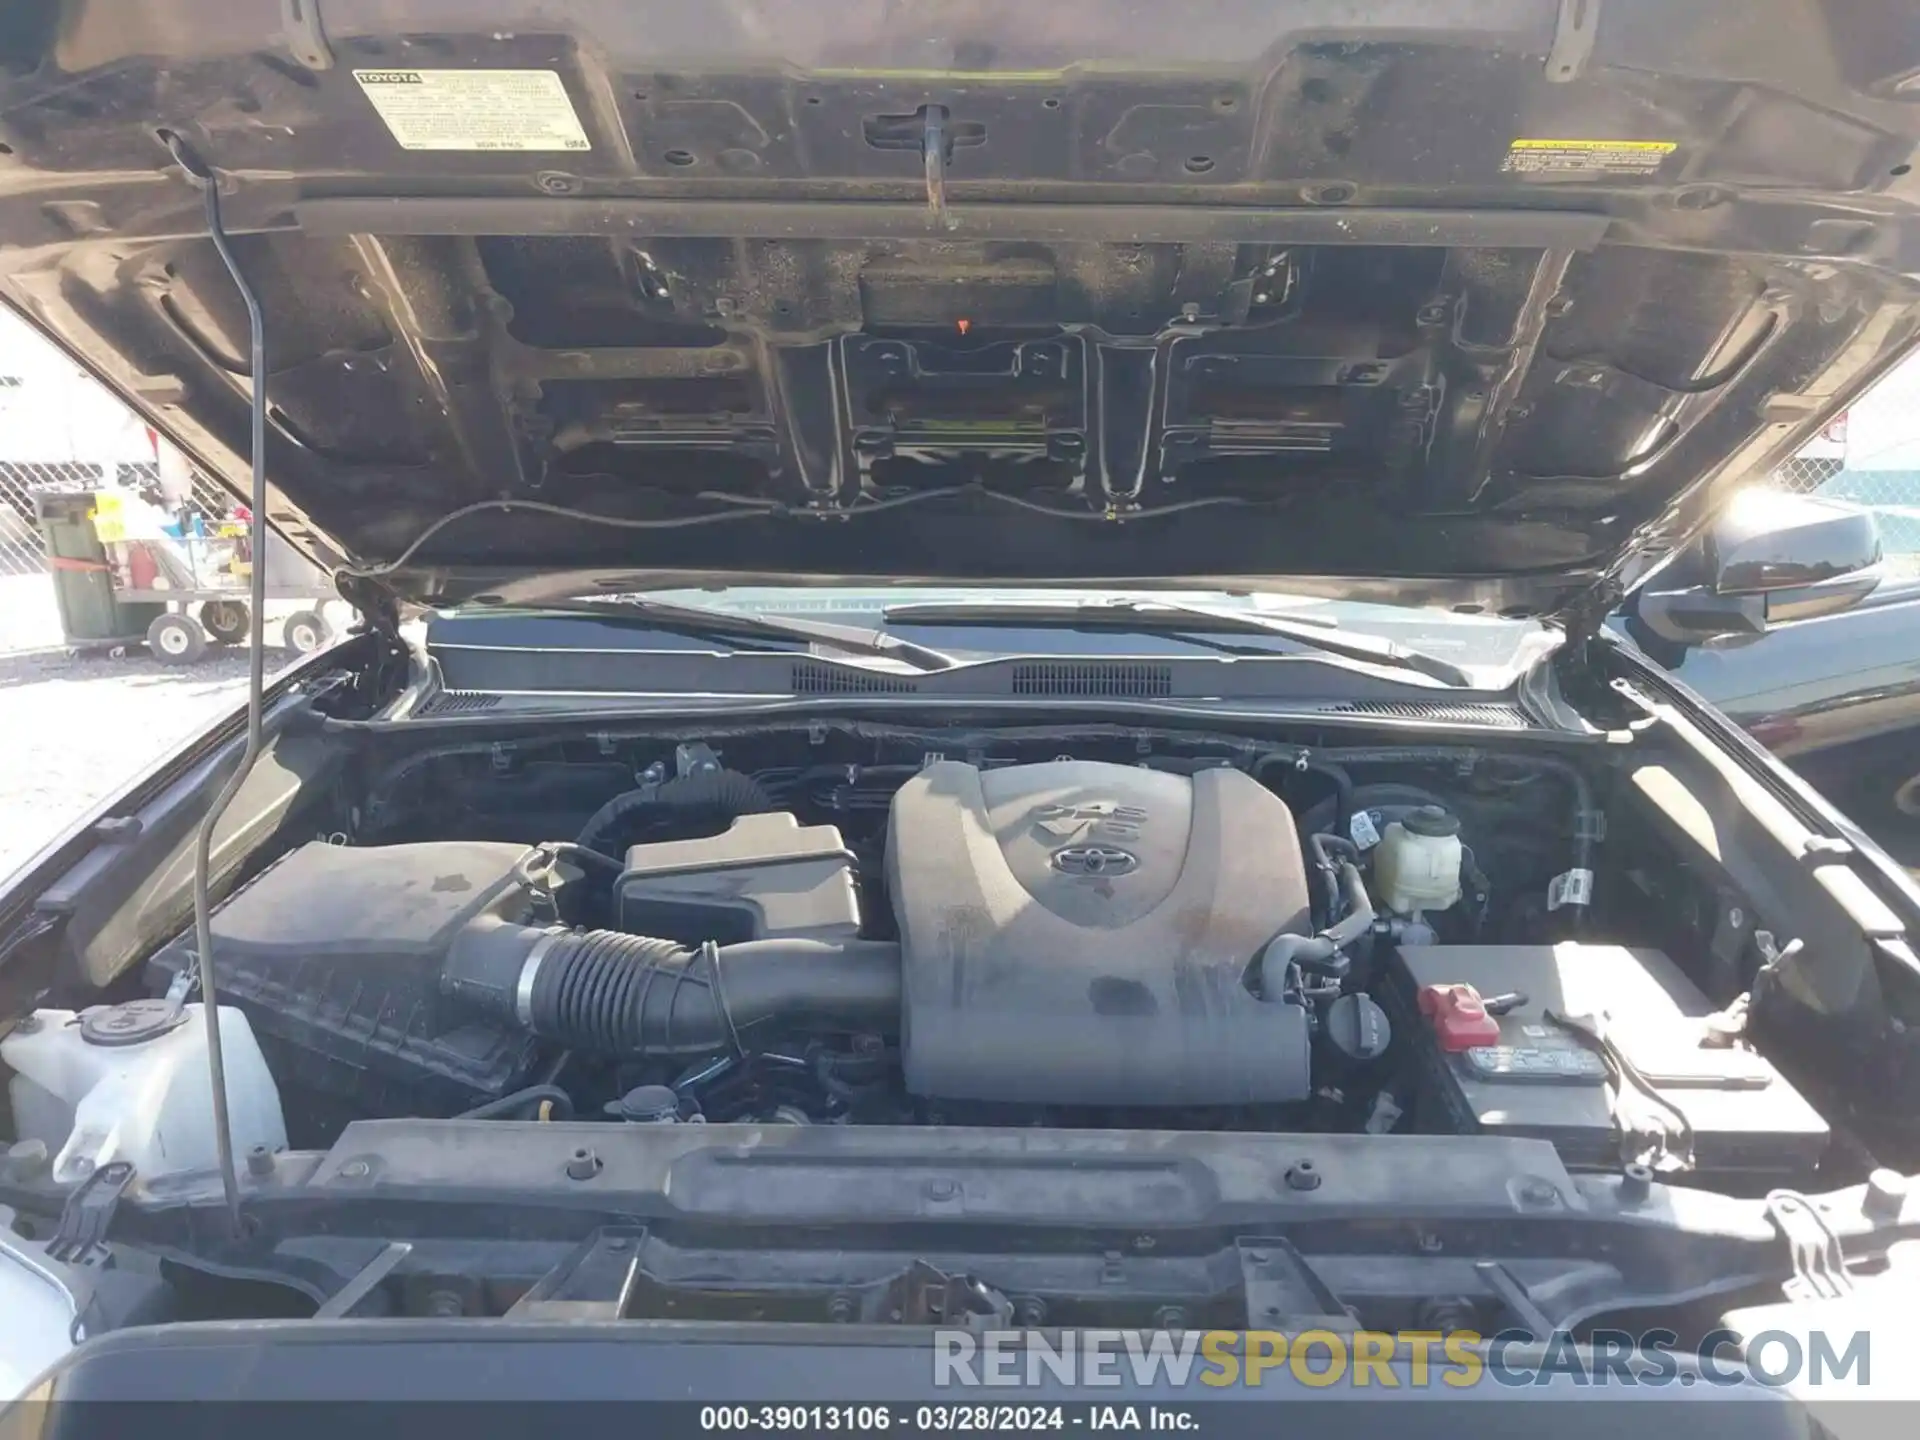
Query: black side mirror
1773,557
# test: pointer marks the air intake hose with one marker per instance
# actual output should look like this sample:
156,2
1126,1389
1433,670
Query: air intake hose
610,993
725,795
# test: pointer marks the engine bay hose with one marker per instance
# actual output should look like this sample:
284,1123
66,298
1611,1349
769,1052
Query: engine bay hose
1318,845
635,995
1325,953
727,794
559,1102
1359,917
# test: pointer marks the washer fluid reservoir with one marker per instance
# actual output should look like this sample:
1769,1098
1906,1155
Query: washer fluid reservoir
129,1082
1417,864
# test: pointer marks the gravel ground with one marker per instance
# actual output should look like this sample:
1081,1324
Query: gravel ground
75,728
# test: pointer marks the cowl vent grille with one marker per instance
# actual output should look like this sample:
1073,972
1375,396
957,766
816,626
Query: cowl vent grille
1092,678
1435,712
459,702
815,679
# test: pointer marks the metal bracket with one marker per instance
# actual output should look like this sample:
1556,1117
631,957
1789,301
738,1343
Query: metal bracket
1575,29
1819,1264
1590,825
935,151
595,1282
649,780
1774,958
183,984
347,1298
1514,1296
924,1294
88,1213
694,758
1283,1292
306,37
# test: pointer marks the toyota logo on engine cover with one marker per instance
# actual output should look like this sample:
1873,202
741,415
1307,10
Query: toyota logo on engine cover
1093,860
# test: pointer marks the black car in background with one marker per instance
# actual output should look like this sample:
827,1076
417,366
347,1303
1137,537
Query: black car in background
1832,687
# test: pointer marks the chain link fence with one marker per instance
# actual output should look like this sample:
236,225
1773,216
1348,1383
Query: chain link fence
20,548
21,551
1803,475
1892,495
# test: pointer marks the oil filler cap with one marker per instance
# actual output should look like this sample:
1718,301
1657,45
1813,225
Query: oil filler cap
1357,1027
133,1023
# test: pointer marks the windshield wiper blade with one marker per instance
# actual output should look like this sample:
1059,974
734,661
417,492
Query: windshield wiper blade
1170,617
699,621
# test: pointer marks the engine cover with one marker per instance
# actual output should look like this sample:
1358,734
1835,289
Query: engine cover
1078,933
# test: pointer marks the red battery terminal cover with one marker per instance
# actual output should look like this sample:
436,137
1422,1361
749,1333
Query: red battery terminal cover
1460,1017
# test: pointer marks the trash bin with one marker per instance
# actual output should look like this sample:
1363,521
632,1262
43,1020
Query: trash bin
90,612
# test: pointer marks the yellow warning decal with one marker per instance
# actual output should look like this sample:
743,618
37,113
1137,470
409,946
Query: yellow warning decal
1601,157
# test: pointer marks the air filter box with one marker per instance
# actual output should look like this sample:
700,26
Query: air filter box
1540,1080
334,953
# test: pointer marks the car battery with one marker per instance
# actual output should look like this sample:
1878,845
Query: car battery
1481,1019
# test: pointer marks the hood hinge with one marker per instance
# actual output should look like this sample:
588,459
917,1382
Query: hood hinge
1581,620
377,606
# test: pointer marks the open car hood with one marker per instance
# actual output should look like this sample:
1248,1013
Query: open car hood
1472,302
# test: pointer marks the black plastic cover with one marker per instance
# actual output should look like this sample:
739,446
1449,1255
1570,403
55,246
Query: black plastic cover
767,877
334,954
1077,933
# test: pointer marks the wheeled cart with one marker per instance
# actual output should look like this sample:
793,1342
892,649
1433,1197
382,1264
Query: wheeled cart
179,598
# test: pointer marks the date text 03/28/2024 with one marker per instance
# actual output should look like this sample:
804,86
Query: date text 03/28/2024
860,1419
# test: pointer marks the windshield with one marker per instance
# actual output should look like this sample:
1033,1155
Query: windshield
1491,650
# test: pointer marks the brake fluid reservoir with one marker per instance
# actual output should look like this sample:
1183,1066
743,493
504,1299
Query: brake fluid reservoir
129,1082
1417,864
